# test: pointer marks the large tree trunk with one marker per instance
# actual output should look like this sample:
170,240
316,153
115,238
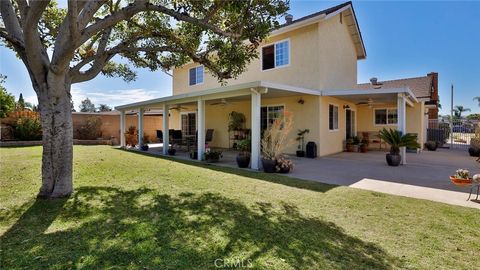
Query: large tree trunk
56,116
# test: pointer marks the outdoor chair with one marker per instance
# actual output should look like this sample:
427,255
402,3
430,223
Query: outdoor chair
160,135
209,136
177,137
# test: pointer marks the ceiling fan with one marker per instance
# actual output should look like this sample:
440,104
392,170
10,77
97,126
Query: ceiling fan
222,102
178,107
369,102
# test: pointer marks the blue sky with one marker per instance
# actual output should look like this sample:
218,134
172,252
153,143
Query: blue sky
402,39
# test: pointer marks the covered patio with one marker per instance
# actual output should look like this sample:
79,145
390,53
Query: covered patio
254,93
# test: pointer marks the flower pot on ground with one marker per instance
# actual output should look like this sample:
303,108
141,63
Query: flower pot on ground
356,143
396,140
212,156
243,157
268,165
275,140
300,153
301,141
172,151
349,145
363,148
474,152
431,145
461,178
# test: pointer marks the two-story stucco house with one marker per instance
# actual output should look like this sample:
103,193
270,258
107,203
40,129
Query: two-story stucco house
307,66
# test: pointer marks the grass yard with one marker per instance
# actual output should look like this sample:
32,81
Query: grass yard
132,211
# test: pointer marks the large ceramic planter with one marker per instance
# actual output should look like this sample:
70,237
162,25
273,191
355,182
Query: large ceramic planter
284,170
268,165
460,181
349,147
431,146
243,160
172,151
355,148
393,160
300,153
474,152
363,149
144,147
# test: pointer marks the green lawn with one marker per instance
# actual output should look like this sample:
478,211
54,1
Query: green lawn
139,212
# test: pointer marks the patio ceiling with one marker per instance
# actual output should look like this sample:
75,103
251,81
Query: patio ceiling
378,96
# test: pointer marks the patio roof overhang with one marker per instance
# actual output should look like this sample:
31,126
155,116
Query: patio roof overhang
237,91
384,95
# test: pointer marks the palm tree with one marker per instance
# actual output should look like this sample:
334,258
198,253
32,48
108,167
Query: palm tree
477,99
459,110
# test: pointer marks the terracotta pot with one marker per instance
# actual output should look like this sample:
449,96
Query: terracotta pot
349,147
461,182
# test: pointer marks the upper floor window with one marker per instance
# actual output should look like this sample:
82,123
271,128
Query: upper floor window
332,117
196,75
386,116
276,55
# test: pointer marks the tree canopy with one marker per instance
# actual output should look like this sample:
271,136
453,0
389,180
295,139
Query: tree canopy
7,100
87,106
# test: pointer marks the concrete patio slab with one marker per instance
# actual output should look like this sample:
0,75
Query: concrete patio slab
425,176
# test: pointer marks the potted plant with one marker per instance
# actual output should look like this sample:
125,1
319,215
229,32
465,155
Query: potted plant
349,145
396,140
236,121
461,178
364,145
171,151
275,140
283,165
431,145
474,149
356,143
131,136
193,154
243,157
301,142
212,156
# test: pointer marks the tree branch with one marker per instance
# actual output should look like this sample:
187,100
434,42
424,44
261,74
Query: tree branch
139,6
12,31
88,12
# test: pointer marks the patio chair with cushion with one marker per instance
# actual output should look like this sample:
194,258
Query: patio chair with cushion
209,136
177,137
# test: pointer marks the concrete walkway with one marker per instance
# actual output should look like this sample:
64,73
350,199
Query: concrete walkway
426,176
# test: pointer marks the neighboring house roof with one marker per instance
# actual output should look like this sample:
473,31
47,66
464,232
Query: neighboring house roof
420,86
348,13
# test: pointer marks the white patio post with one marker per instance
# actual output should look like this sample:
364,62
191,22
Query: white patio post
165,129
201,128
122,129
401,122
140,126
256,102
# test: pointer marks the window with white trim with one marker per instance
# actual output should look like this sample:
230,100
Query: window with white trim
276,55
386,116
332,117
268,114
196,75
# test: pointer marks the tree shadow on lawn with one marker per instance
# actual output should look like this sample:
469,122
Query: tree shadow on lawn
102,227
269,177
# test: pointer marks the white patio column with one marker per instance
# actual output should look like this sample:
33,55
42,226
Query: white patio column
401,122
165,129
122,129
140,126
256,102
200,128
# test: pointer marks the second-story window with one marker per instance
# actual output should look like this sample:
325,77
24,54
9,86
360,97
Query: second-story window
196,75
276,55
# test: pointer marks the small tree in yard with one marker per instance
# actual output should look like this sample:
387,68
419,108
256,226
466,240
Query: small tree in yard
7,100
61,47
87,106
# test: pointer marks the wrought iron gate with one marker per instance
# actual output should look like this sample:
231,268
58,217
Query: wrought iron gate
454,133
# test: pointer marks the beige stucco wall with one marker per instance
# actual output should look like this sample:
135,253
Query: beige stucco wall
415,119
332,141
322,56
216,117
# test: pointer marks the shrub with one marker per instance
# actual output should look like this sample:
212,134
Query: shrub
275,137
28,129
131,136
91,130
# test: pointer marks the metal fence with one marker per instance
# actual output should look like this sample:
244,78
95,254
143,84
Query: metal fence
454,133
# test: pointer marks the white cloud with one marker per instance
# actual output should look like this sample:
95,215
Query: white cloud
111,98
114,97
